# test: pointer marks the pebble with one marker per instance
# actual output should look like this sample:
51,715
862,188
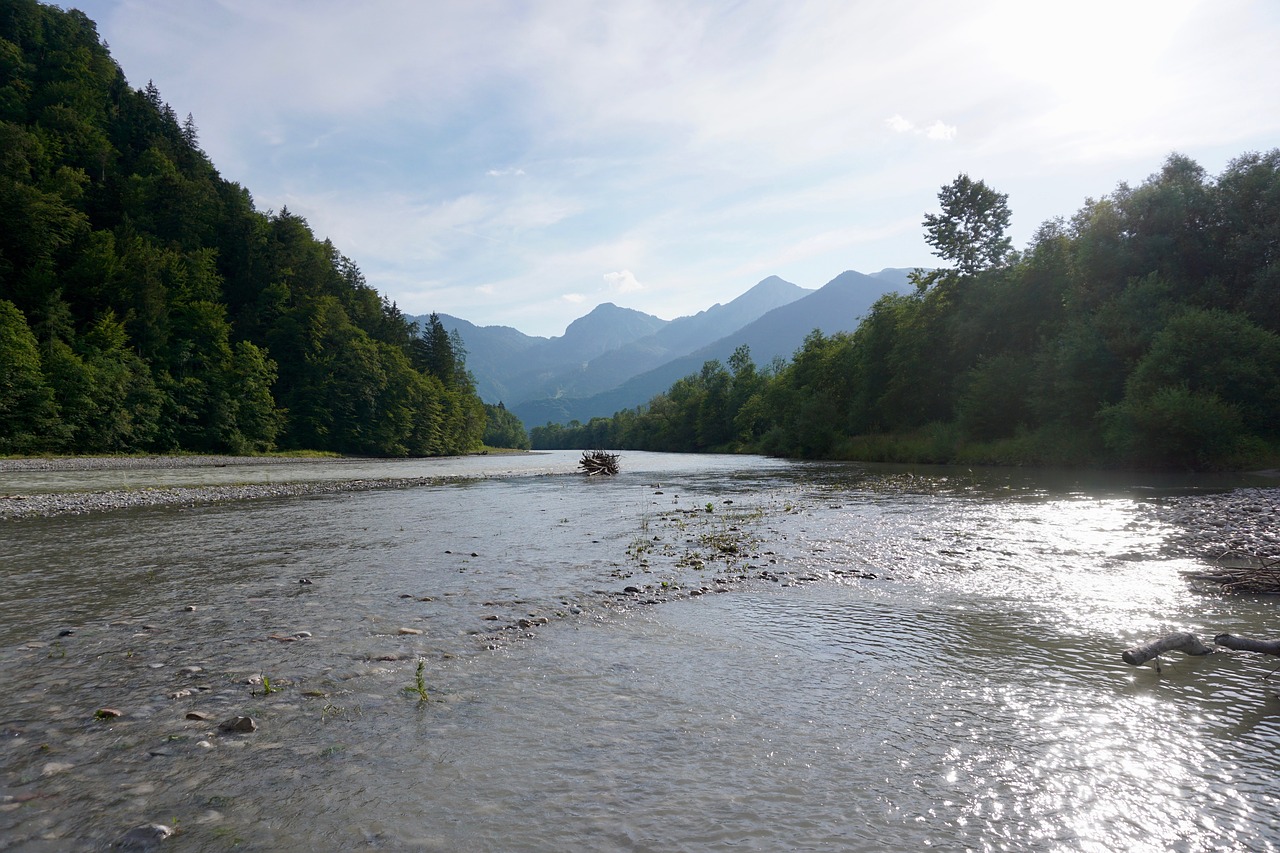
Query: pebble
410,631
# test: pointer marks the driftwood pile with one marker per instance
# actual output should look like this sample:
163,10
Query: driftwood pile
1191,645
1256,576
595,462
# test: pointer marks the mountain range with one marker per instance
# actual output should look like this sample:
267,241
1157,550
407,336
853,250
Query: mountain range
617,358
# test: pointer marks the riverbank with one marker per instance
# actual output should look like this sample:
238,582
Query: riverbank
121,463
16,506
1239,523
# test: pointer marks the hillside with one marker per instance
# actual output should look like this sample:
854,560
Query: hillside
146,305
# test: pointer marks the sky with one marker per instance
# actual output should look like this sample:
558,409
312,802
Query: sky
516,162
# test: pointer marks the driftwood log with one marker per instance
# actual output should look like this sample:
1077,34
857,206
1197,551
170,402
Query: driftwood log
1184,642
595,462
1244,644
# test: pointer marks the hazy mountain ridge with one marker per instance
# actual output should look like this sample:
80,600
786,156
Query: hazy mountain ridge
615,358
601,349
837,306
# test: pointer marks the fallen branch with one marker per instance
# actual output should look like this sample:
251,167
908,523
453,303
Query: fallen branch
1244,644
1185,642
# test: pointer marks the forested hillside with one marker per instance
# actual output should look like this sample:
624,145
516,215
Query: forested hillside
146,305
1144,330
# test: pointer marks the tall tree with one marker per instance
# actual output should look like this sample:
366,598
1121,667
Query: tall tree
969,231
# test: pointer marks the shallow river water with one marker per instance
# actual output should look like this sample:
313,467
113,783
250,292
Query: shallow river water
900,659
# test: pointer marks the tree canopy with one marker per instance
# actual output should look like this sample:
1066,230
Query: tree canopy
1144,330
146,305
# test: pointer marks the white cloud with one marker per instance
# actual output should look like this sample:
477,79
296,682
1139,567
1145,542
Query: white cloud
623,281
939,130
482,158
898,124
573,298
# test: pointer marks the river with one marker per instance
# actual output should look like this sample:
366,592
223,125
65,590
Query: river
703,653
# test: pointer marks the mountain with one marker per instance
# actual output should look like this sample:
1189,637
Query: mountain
898,277
680,337
602,349
489,350
837,306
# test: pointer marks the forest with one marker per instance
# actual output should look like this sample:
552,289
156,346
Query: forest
1144,331
146,305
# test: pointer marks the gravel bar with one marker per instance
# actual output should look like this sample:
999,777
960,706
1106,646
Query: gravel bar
1243,522
80,503
124,463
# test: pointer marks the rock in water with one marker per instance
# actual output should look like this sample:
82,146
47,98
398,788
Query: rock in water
143,837
239,725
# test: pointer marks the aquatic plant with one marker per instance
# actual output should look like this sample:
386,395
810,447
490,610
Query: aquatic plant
267,688
419,686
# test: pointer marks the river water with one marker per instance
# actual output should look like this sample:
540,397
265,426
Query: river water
901,659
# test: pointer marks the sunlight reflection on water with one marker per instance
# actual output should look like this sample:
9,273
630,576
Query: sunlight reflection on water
970,695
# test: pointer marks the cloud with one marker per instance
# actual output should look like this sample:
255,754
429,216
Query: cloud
898,124
623,281
939,130
528,147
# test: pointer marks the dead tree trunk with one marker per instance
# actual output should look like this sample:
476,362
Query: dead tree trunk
1185,642
1244,644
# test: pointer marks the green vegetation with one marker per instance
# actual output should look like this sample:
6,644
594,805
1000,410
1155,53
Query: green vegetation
1144,331
419,686
504,429
147,306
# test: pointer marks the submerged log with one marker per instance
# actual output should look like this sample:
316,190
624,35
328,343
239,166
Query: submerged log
1244,644
1184,642
595,462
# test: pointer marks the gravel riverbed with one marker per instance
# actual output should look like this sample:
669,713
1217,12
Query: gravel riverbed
79,503
1239,523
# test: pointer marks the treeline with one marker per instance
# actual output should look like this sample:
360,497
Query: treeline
1143,331
146,305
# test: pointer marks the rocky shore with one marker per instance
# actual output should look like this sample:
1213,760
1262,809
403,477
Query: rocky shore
79,503
1239,523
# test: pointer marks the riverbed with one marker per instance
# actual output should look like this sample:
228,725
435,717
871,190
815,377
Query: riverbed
703,653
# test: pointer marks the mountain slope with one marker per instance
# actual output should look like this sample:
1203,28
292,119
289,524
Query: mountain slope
603,348
837,306
680,337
